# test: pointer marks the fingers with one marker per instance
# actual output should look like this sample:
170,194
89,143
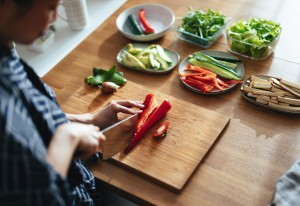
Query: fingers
125,105
128,103
101,137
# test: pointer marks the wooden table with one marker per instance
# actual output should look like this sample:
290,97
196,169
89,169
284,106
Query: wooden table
258,146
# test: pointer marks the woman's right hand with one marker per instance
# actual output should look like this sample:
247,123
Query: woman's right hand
85,139
89,138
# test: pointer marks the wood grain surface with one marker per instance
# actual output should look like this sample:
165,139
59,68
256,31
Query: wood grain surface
258,146
172,160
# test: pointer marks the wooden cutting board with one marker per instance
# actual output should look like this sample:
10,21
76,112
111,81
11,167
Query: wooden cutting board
169,161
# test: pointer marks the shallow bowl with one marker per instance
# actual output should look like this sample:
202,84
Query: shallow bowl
161,18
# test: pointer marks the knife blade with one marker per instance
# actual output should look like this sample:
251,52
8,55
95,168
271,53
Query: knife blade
117,136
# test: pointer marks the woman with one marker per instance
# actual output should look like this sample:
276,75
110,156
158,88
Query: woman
37,140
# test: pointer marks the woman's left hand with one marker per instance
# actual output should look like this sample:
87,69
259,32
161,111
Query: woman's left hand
108,115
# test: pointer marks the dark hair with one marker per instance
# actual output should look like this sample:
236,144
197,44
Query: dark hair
24,4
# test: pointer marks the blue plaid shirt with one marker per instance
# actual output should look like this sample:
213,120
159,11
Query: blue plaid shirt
29,115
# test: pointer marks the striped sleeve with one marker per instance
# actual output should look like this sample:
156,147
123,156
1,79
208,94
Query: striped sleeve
26,179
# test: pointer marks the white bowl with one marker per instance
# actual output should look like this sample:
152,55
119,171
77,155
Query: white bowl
159,17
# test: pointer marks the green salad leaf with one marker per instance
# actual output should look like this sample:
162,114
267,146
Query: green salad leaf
202,24
252,37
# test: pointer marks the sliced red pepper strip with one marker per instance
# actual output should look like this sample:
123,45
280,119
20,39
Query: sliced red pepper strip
232,81
161,131
205,78
198,85
222,83
190,74
150,105
217,85
157,115
194,68
148,28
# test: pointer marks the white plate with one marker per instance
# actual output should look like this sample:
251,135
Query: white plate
172,54
239,70
159,16
252,99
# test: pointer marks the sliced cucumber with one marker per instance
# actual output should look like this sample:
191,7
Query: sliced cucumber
226,59
220,69
229,64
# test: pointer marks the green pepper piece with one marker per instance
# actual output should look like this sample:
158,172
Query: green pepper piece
100,75
94,81
98,71
118,79
120,73
110,73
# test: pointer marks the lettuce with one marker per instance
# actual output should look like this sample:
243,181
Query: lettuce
252,37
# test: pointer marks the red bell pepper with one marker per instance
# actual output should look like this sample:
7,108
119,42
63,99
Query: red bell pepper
194,68
150,105
157,115
161,130
204,87
148,28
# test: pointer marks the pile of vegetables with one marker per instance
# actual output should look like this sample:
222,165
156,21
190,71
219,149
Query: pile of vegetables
252,37
202,24
139,25
151,114
108,80
207,73
276,93
153,57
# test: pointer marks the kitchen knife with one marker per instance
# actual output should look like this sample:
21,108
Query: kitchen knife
118,136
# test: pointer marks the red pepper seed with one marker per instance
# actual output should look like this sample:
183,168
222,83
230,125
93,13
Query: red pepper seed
161,129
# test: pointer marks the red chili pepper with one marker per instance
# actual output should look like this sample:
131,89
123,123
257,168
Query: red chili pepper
148,28
161,130
157,115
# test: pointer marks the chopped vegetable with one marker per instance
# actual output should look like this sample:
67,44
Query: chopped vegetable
251,37
152,57
277,96
100,75
202,24
148,28
204,80
207,62
134,25
162,130
150,105
157,115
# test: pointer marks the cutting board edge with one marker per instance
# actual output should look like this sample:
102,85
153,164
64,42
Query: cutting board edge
146,176
207,153
165,184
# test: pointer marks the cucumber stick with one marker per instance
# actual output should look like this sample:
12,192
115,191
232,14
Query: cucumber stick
213,65
134,25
